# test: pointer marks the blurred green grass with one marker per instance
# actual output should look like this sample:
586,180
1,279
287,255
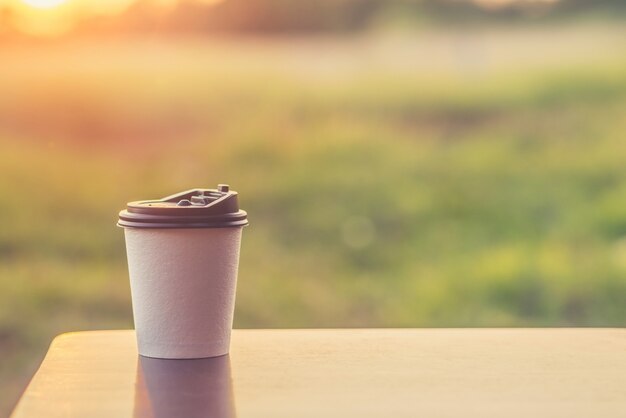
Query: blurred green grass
376,198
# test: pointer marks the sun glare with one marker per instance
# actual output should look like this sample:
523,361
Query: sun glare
44,4
58,17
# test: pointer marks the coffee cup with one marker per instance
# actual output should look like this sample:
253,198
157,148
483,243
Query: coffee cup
183,256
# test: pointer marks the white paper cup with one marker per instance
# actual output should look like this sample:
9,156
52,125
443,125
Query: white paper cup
183,284
183,281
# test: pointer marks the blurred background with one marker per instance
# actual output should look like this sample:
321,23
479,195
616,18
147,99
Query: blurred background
404,163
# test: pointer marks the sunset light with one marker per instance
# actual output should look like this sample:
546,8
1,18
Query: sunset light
57,17
44,4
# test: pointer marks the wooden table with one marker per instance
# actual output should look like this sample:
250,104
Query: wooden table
342,373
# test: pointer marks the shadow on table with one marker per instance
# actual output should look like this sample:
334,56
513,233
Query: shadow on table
184,388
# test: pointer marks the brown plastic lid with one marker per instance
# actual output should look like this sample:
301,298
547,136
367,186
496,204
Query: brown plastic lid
196,208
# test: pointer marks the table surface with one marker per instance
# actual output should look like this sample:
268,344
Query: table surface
340,372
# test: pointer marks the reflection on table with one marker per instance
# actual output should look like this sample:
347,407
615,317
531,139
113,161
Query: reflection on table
184,388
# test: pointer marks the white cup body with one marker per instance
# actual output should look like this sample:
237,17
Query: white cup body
183,284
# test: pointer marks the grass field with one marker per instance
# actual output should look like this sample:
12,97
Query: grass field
409,180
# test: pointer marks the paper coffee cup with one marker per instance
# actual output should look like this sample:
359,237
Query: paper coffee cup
183,254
